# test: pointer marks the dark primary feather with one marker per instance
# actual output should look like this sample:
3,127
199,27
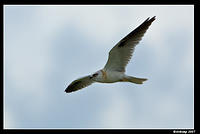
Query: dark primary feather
121,53
140,30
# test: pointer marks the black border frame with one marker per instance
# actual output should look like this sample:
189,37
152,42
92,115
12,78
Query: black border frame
196,4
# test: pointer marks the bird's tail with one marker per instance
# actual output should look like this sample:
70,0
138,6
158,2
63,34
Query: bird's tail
135,80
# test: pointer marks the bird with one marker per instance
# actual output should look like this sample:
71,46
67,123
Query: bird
119,57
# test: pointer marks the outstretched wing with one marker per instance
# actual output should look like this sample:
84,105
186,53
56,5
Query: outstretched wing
121,53
79,84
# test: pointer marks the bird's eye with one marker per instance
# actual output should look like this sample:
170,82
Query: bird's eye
94,75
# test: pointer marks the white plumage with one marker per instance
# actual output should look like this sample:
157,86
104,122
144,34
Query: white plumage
119,56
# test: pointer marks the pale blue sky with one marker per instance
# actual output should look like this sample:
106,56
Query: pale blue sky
47,47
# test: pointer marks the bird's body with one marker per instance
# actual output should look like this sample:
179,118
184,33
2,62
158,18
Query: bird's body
119,56
106,76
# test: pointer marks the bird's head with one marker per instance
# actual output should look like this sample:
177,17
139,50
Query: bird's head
96,75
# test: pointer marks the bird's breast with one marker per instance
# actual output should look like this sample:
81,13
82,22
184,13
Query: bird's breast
104,74
110,76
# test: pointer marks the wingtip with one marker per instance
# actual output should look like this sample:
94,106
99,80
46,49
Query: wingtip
153,18
150,19
67,91
147,19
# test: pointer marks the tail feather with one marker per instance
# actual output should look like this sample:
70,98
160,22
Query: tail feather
136,80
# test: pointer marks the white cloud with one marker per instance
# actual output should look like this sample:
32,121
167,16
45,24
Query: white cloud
116,112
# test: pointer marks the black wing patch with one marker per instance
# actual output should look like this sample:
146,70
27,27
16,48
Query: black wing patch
139,30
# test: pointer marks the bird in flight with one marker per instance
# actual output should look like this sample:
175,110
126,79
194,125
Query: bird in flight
119,56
